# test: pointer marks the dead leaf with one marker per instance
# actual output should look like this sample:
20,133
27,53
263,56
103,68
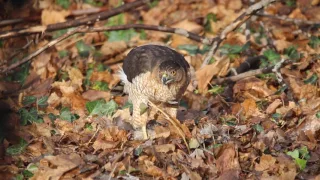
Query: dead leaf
113,48
109,138
228,159
266,162
54,167
273,106
164,148
92,95
52,16
205,74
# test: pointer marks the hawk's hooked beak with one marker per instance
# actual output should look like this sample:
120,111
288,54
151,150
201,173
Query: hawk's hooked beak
166,79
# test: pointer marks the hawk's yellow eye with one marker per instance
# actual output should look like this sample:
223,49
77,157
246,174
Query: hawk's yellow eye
173,73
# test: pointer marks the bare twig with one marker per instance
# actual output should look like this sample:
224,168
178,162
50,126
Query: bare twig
255,72
243,75
182,32
16,53
241,19
179,31
37,52
291,20
77,22
269,39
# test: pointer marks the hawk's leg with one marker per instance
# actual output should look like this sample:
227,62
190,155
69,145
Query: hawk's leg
172,110
140,115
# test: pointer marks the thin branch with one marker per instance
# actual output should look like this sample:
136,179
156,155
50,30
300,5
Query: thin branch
37,52
243,75
182,32
255,72
77,22
291,20
240,20
178,31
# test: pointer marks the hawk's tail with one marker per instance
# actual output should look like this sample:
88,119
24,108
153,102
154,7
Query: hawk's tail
122,75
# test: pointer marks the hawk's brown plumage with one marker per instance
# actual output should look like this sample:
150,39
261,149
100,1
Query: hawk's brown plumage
155,73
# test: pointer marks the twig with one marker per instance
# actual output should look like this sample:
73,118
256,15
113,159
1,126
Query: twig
37,52
241,19
178,31
16,53
269,39
173,121
182,32
255,72
243,75
291,20
77,22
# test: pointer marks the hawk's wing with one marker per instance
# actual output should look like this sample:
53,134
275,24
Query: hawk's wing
145,58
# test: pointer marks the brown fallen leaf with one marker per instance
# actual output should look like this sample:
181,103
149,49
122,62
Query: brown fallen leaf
266,162
101,76
54,167
76,77
52,16
228,160
205,74
164,148
273,106
113,48
109,138
92,95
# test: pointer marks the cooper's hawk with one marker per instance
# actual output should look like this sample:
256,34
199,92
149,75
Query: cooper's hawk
157,74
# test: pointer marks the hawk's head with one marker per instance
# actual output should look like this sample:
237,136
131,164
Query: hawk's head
171,72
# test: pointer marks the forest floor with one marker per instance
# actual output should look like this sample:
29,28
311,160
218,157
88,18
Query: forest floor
64,116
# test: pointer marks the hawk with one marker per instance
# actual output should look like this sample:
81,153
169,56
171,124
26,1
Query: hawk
157,74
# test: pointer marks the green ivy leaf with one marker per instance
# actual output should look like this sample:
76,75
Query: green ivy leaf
294,154
43,101
258,128
63,53
19,177
128,105
63,3
84,49
59,33
207,22
28,100
190,48
121,35
88,126
17,148
137,151
292,53
217,89
314,42
27,174
301,163
312,80
143,35
100,86
94,3
272,57
21,75
65,114
52,117
101,107
29,116
304,153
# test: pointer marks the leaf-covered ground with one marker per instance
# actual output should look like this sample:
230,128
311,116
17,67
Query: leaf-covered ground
64,116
